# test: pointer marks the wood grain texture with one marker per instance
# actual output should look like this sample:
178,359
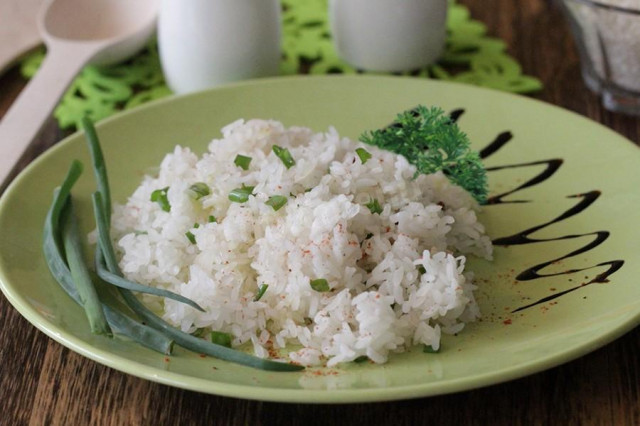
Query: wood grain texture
43,383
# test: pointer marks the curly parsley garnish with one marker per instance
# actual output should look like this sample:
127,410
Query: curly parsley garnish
431,141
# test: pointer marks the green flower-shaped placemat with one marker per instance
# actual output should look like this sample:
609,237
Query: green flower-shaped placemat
470,57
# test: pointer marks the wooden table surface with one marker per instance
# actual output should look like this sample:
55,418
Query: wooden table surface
41,382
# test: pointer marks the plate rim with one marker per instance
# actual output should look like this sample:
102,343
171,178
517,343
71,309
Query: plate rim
333,396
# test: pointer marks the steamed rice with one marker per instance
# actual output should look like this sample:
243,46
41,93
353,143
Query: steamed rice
397,278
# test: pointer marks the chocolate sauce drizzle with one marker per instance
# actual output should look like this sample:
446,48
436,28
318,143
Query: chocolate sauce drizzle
585,200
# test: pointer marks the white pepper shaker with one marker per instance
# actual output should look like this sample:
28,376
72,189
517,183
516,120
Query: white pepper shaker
388,35
206,43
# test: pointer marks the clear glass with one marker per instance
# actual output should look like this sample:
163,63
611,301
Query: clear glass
608,37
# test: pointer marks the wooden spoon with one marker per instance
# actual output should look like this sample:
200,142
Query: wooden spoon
18,30
75,32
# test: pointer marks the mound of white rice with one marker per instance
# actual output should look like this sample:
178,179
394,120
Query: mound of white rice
396,277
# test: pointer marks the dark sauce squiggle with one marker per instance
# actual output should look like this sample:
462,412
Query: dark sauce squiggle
552,167
523,237
497,143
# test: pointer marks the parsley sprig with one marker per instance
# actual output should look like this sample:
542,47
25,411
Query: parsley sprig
431,141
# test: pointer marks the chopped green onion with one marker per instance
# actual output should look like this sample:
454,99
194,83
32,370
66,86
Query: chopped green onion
374,206
321,285
422,270
428,349
241,195
284,155
261,292
222,339
242,161
160,197
363,154
212,219
276,201
190,237
199,190
196,225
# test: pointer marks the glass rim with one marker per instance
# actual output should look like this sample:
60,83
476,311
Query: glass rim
607,6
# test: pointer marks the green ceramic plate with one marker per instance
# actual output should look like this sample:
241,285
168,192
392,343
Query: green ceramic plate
564,211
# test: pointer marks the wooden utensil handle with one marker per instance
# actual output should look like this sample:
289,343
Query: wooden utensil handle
10,54
18,30
27,115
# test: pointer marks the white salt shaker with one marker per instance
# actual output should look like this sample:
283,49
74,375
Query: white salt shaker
205,43
388,35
